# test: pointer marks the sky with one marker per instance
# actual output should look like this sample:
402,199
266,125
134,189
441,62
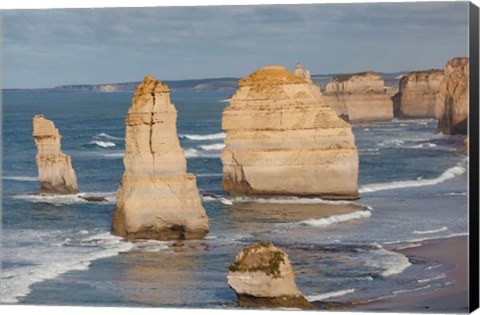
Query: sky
47,48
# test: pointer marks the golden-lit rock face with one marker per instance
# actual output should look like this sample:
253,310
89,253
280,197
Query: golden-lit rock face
452,100
262,276
359,97
156,199
418,93
283,140
55,169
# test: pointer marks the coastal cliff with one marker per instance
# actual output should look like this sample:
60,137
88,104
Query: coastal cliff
262,276
283,140
55,170
359,97
156,199
418,92
452,100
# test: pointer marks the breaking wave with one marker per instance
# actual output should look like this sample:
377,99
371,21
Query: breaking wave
328,295
104,135
214,136
322,222
21,178
448,174
215,146
442,229
103,144
58,200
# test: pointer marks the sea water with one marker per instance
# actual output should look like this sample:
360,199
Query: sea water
58,250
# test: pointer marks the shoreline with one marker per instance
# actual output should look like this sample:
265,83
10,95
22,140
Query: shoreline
451,299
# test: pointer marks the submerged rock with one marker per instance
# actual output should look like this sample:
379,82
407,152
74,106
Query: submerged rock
262,276
452,99
55,170
94,198
359,97
418,92
283,140
156,199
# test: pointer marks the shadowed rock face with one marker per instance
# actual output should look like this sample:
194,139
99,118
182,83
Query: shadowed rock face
156,199
418,92
453,98
55,169
283,140
262,276
359,97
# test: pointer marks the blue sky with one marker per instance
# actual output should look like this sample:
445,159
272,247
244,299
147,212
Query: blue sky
46,48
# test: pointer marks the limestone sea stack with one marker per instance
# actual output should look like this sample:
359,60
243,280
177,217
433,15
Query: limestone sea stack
156,199
453,97
418,92
359,97
262,276
55,170
283,140
305,75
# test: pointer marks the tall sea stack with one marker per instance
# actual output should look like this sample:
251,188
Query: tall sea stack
283,140
453,97
359,97
156,199
418,92
55,169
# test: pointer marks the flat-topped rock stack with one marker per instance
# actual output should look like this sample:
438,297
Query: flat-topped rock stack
156,199
262,276
283,140
452,100
359,97
418,93
55,170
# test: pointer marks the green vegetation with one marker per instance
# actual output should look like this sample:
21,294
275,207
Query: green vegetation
346,77
268,262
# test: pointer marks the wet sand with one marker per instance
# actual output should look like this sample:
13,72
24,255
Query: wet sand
451,299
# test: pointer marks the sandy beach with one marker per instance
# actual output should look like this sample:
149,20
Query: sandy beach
451,299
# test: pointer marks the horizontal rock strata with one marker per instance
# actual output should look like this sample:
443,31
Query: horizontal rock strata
359,97
418,92
55,170
156,199
452,99
283,140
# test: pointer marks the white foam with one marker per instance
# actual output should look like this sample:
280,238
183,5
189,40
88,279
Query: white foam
150,245
215,146
441,276
21,178
104,135
115,155
294,200
448,174
417,240
223,200
49,261
411,290
103,144
67,199
210,175
442,229
336,218
220,135
328,295
392,263
191,153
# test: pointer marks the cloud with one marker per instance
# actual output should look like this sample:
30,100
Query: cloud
110,45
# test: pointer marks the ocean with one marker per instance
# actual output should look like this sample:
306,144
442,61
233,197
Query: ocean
59,250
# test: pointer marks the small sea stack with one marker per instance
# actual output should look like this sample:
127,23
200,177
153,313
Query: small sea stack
305,75
283,140
55,170
453,98
157,198
359,97
418,93
262,276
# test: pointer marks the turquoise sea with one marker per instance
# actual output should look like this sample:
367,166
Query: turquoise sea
59,250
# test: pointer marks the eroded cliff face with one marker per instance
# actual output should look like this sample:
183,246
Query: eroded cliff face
156,199
55,169
418,92
359,97
452,100
262,276
283,140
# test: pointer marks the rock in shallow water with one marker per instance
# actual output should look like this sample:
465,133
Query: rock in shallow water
156,199
283,140
262,276
55,170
